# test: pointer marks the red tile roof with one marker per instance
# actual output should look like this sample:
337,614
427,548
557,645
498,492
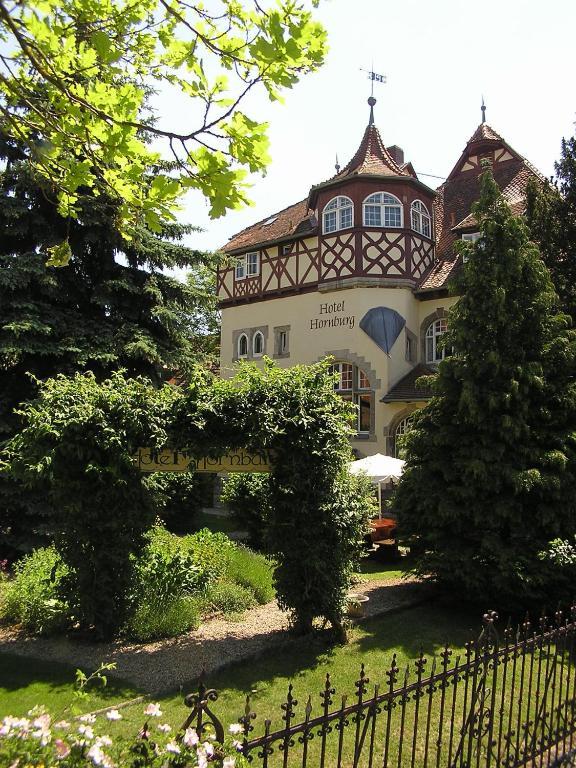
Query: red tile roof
372,157
439,275
295,220
406,390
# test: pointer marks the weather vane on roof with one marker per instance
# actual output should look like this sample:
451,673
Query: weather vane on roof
374,77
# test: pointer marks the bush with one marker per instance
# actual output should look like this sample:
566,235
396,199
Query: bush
154,619
248,496
230,598
211,552
252,571
32,598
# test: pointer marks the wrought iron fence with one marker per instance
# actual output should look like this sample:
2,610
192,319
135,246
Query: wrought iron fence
508,702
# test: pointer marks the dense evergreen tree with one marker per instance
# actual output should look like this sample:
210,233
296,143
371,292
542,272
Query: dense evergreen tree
551,214
490,462
111,308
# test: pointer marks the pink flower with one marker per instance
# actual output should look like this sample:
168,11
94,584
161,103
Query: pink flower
88,719
190,738
164,728
173,747
237,745
63,724
96,755
208,748
62,749
235,728
229,762
86,731
113,714
153,710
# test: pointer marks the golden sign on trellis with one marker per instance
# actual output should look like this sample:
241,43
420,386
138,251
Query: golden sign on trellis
173,460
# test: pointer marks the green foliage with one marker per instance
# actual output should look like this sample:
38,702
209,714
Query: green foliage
78,437
228,597
551,215
32,597
179,497
317,522
97,66
490,461
153,619
248,496
252,571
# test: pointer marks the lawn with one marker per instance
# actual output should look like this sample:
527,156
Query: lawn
305,663
25,682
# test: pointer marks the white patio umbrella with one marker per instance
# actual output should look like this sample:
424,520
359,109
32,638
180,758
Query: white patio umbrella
380,469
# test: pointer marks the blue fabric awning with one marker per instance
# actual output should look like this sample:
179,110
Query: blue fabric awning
383,325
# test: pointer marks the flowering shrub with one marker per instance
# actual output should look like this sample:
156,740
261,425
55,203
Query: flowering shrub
38,740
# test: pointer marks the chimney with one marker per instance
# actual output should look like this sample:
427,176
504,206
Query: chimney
397,154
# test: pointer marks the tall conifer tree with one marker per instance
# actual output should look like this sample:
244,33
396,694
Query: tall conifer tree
490,463
551,214
112,307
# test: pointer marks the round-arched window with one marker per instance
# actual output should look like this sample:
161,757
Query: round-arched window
338,214
434,350
382,210
258,344
402,428
243,345
420,218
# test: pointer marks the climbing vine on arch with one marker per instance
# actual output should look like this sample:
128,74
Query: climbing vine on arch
80,437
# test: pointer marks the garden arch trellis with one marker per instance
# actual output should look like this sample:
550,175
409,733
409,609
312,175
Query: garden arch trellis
80,437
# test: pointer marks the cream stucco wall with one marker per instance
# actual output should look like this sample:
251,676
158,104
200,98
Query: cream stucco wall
328,323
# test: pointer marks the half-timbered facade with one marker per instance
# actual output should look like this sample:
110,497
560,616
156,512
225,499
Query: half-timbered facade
358,271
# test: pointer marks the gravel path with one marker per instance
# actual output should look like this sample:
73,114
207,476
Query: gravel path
167,664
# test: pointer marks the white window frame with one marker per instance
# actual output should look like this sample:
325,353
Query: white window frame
419,217
471,237
282,342
252,264
247,267
242,355
383,203
434,332
338,209
260,335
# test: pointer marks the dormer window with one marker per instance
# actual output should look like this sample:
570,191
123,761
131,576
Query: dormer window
420,218
382,210
471,237
338,214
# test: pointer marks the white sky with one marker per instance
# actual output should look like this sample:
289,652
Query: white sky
439,57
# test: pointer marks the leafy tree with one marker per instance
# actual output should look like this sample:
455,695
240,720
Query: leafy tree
490,461
112,308
75,78
551,214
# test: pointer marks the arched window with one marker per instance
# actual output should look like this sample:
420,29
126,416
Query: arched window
420,218
243,345
338,214
402,428
434,351
353,384
258,344
382,210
